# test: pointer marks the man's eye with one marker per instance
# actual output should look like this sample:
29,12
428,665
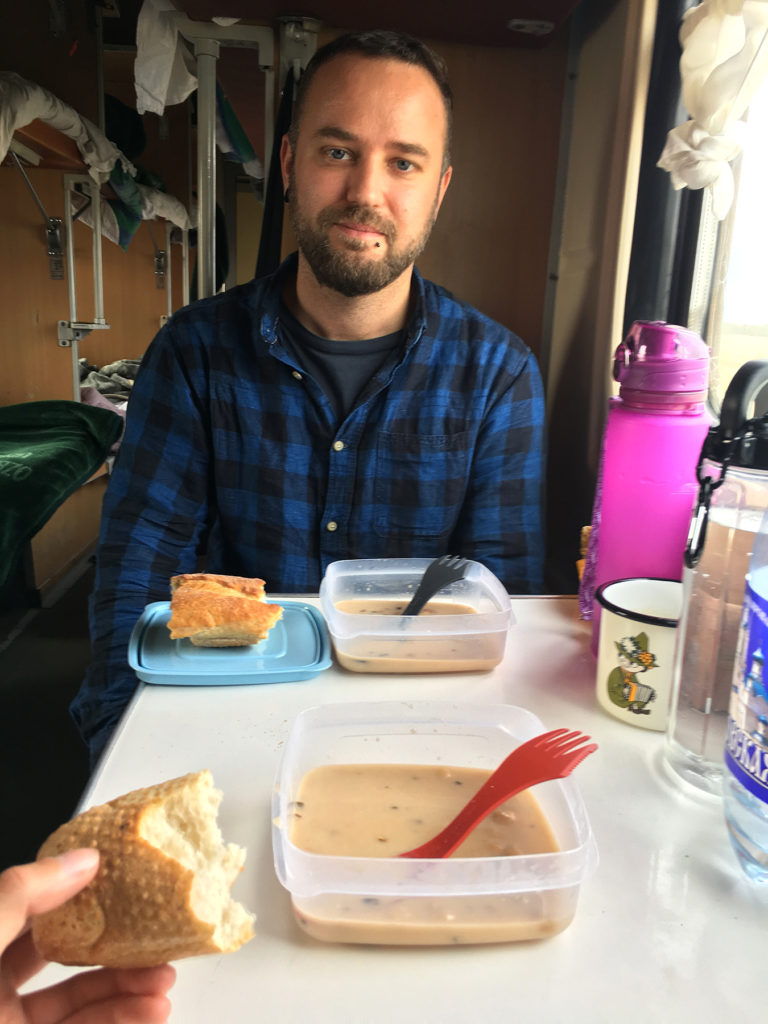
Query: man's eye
337,154
403,165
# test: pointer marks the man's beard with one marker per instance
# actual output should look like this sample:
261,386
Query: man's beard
341,268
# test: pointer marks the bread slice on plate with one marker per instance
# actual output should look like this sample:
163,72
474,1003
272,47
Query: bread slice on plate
220,611
162,891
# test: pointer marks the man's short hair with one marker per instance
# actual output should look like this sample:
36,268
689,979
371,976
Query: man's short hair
386,44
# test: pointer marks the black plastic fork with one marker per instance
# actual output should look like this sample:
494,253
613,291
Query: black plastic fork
438,574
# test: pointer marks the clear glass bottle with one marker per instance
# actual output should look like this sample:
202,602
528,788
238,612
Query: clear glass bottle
745,778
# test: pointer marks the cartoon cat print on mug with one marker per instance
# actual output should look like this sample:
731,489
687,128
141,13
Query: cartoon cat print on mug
638,626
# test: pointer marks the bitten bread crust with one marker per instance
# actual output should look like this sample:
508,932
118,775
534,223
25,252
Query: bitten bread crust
220,611
137,912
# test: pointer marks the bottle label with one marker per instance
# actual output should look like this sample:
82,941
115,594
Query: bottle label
746,744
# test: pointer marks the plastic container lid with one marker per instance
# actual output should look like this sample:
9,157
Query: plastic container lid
298,647
663,364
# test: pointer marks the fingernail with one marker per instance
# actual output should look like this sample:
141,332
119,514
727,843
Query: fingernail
77,862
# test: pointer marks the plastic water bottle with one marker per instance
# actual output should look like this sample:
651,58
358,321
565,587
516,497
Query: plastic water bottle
733,495
745,779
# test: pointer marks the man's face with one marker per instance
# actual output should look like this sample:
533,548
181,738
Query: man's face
366,176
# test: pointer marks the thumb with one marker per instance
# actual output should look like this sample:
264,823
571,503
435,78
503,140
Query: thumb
30,889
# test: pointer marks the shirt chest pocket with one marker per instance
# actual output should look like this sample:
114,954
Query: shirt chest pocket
421,481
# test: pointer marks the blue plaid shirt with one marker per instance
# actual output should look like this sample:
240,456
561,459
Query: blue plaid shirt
231,449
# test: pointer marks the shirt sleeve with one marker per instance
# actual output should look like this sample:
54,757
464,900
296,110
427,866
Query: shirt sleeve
153,520
502,521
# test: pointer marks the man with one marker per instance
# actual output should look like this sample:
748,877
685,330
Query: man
343,407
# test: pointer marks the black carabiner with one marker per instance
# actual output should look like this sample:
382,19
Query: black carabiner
697,531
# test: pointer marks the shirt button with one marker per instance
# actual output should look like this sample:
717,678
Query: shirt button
296,375
338,446
330,527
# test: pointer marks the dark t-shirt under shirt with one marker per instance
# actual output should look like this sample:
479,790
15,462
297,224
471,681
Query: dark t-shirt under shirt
341,368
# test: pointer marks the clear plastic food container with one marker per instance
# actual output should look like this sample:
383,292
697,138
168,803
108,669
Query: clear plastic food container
402,901
469,633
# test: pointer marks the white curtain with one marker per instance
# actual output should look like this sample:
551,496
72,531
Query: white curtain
724,62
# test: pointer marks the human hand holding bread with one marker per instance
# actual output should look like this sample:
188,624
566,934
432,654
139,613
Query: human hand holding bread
139,881
162,889
127,885
133,996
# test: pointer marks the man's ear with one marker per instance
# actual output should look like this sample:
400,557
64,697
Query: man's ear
443,188
286,161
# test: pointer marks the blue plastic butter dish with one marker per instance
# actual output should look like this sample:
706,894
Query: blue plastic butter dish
298,647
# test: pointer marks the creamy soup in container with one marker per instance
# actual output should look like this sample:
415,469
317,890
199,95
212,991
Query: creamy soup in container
463,628
383,810
361,782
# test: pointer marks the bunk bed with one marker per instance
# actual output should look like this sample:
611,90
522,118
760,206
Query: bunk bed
50,448
36,126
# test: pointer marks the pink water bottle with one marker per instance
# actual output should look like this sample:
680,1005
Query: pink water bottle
651,446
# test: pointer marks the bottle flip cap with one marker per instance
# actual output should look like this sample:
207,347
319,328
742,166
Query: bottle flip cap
662,364
738,440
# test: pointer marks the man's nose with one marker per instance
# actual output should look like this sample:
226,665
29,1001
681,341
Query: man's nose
365,183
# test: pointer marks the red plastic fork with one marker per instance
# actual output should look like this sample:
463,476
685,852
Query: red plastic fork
553,755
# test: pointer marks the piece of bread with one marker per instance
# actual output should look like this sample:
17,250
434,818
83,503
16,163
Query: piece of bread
220,611
162,889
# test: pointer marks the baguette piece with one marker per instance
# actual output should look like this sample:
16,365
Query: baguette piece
220,611
162,889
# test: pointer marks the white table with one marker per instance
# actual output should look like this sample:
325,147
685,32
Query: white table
666,929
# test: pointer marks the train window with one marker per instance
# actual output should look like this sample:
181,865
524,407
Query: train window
687,266
729,293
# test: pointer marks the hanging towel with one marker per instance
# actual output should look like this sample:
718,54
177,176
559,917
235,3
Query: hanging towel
232,140
164,68
165,73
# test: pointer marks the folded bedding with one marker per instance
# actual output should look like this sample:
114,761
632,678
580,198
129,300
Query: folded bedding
47,450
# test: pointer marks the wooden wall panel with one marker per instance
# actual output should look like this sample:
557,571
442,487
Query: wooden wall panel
34,367
491,242
133,305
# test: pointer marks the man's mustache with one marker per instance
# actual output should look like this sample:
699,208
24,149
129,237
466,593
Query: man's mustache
363,216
